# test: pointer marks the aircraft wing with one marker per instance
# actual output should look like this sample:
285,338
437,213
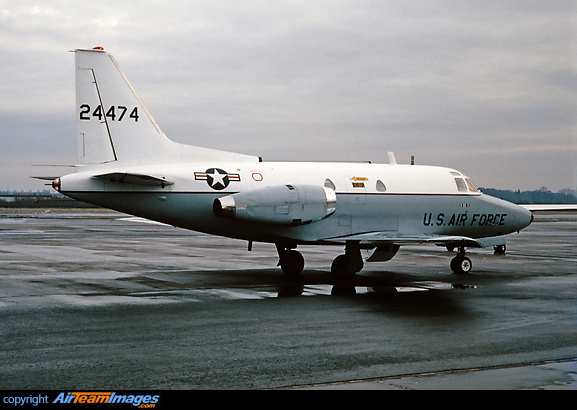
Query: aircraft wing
135,178
394,238
550,207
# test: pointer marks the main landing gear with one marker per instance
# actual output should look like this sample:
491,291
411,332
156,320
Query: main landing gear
460,264
348,265
344,266
290,261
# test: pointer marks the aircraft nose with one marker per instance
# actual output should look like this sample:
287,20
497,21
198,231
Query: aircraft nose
523,217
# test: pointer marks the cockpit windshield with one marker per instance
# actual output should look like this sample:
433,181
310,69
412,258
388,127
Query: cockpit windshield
464,184
471,186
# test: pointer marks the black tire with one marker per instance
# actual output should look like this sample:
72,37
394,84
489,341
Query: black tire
461,265
292,263
340,268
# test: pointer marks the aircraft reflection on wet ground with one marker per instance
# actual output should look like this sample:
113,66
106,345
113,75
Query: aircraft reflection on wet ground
340,289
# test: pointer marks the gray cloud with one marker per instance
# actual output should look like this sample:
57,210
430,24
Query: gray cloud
488,88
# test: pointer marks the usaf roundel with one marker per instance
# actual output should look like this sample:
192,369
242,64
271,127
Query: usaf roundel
216,178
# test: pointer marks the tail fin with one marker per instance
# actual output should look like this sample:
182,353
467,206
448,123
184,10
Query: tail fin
113,123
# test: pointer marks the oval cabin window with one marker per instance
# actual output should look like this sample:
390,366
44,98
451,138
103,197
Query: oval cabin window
380,186
329,184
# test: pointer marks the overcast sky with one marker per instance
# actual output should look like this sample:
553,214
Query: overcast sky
486,87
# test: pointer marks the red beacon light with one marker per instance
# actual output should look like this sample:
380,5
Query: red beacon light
98,48
56,184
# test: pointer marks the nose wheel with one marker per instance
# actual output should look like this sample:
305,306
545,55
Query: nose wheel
461,264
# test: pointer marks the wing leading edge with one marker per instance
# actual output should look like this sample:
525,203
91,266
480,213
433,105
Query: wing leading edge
393,238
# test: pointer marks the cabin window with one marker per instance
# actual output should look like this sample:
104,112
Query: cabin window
330,184
380,186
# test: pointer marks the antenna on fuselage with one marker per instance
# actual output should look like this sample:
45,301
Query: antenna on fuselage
392,159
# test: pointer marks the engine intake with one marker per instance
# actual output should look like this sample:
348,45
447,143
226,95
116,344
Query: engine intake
281,205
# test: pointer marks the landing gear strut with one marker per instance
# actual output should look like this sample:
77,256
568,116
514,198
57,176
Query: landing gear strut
460,264
291,262
347,265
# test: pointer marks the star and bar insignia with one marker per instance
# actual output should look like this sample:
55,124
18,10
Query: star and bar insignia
216,178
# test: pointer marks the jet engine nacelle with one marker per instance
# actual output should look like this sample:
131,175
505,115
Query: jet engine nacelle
280,205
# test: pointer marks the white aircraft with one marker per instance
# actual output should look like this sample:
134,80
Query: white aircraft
126,163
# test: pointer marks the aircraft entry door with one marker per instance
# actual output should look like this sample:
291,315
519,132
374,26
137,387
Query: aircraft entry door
356,190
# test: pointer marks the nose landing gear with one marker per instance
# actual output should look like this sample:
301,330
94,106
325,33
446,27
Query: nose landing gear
461,264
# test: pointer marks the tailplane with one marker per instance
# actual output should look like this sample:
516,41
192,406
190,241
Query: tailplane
114,125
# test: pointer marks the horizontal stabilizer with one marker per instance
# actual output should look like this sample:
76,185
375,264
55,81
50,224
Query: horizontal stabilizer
45,178
49,177
135,179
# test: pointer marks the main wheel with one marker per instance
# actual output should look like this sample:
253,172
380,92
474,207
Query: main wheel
292,263
461,265
341,268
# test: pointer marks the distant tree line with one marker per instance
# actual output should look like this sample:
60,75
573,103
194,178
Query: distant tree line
539,196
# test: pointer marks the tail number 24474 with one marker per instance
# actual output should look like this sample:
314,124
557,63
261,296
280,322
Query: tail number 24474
114,113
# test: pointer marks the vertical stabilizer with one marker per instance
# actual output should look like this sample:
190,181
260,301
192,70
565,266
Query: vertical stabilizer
112,122
114,126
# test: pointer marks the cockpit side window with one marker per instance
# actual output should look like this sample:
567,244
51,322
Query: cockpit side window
461,186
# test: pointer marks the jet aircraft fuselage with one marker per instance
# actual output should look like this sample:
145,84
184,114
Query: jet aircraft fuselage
403,200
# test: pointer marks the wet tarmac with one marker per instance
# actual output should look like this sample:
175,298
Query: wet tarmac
97,300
